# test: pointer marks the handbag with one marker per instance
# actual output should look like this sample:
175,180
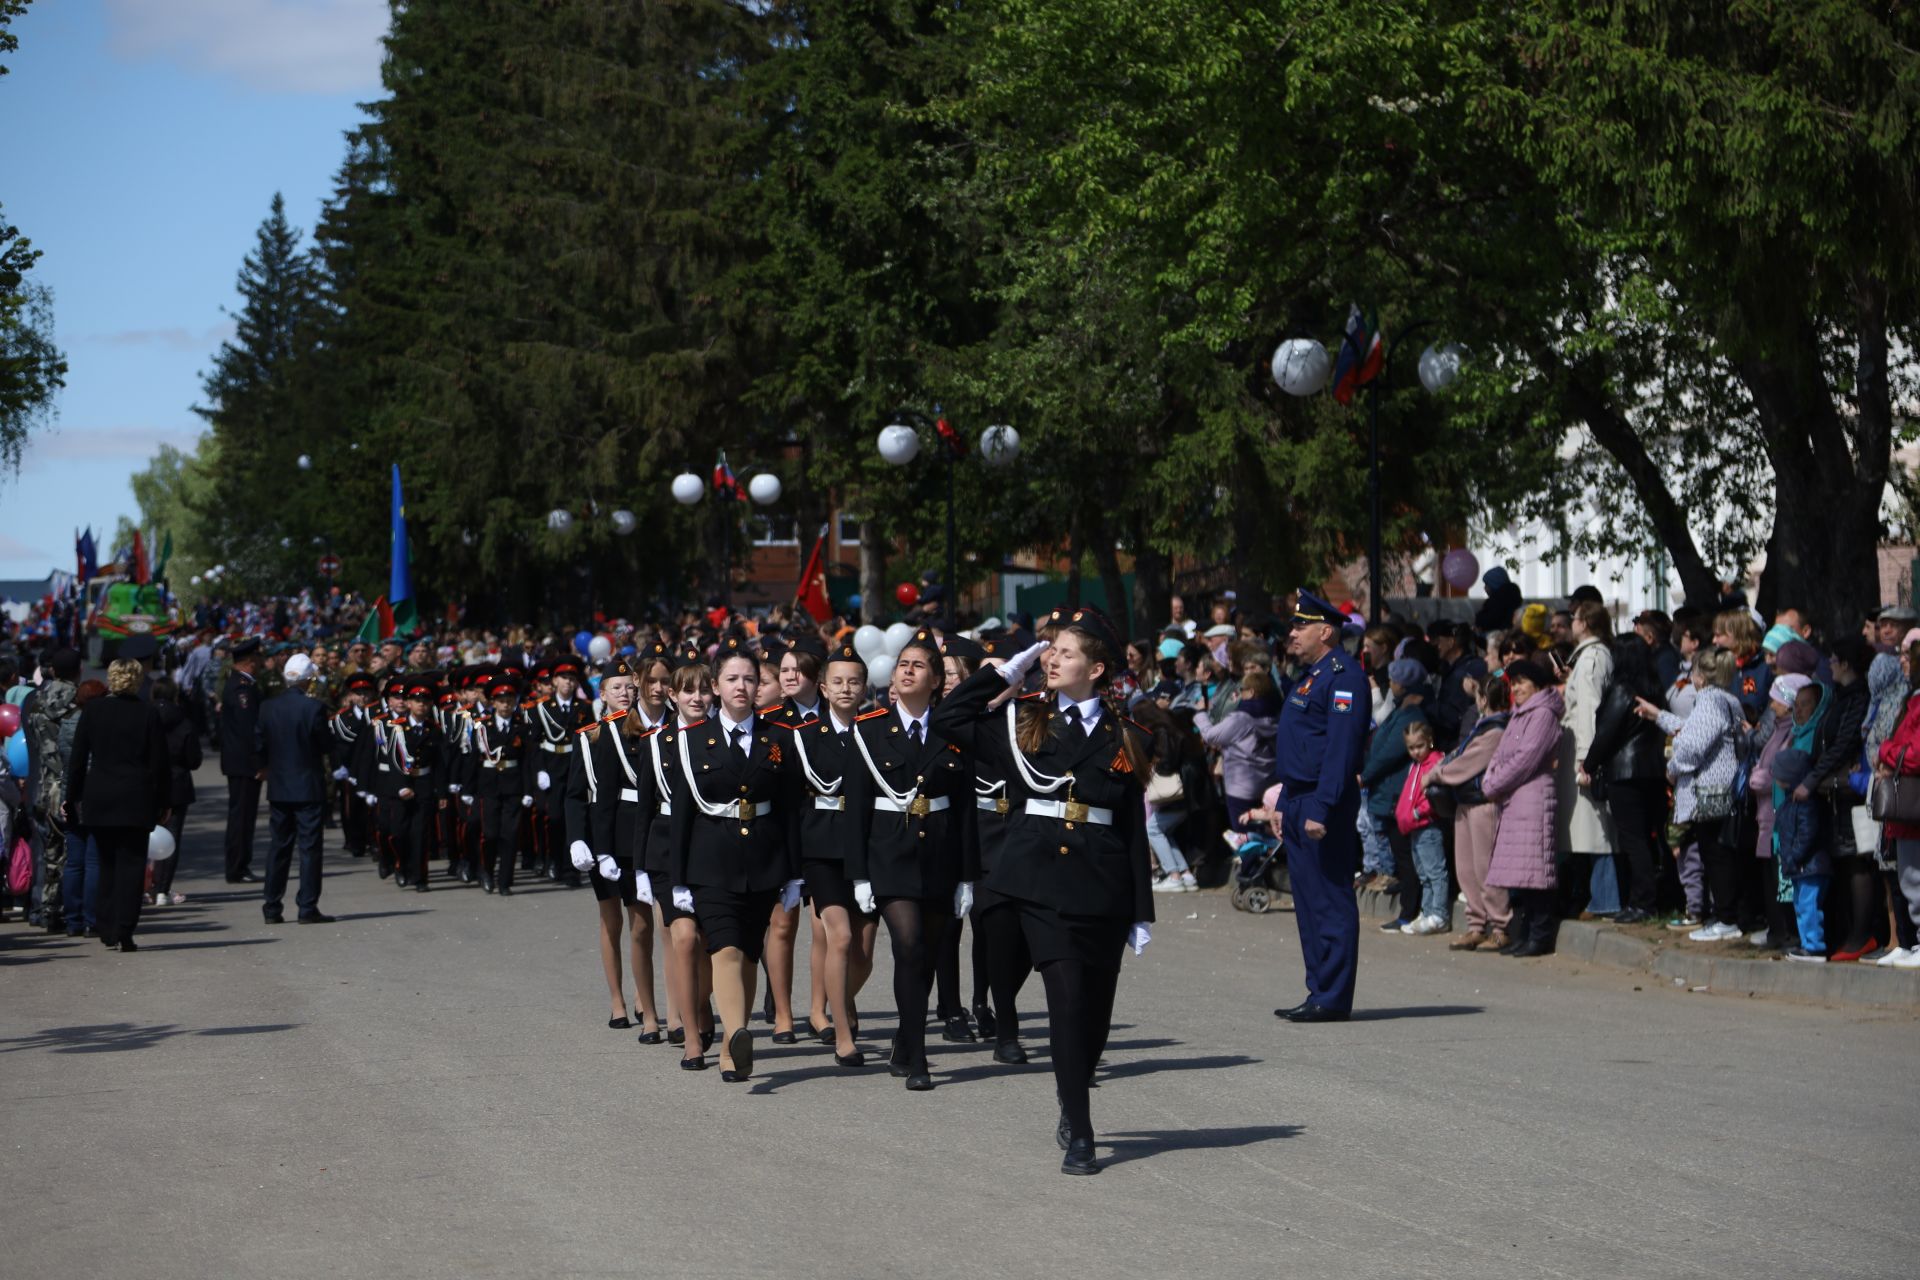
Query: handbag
1740,829
1895,799
1712,804
1165,789
20,868
1866,832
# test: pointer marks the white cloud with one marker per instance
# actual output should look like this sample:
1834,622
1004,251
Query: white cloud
169,339
281,46
132,445
14,549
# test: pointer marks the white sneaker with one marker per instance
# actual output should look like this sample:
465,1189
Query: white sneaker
1759,939
1425,925
1909,961
1169,885
1893,957
1716,933
1187,883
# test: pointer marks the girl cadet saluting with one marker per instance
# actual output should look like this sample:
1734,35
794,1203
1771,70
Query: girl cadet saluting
1073,860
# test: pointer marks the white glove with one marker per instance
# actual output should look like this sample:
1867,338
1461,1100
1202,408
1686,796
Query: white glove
1015,668
340,774
366,797
863,896
581,855
790,895
526,802
643,888
1140,936
465,799
962,899
453,788
609,869
682,897
544,780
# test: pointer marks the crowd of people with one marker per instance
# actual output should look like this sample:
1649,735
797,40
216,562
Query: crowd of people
720,783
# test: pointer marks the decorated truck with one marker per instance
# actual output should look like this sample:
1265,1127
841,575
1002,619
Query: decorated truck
122,609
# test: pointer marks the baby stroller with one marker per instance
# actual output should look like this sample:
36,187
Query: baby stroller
1259,874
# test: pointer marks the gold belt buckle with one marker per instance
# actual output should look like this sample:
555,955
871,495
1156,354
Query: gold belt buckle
745,810
1000,805
1076,811
920,807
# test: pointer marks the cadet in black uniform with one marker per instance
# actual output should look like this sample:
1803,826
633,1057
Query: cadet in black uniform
497,779
555,720
609,830
352,728
843,933
418,755
383,783
1000,960
910,789
240,759
689,968
734,855
799,672
1074,859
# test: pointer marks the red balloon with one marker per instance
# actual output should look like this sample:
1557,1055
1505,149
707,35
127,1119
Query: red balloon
9,718
907,594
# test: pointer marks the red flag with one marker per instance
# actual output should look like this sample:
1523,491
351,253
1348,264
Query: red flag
385,611
812,594
139,571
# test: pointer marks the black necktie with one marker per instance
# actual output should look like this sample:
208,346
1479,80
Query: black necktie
913,732
1072,714
739,739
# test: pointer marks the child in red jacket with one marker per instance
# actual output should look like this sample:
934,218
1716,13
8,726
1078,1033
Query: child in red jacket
1414,814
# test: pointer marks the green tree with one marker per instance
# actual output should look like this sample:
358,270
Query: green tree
32,369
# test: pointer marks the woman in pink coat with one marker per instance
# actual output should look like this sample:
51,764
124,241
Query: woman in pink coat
1520,779
1476,819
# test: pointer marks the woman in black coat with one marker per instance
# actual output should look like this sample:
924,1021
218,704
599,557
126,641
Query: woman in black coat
1628,757
183,757
118,785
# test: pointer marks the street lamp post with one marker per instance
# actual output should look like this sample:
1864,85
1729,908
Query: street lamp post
764,489
899,444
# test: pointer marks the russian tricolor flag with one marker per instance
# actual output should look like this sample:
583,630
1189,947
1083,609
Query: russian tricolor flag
1361,356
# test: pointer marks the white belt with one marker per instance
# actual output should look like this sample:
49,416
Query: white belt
741,810
991,804
558,748
629,795
502,766
666,809
1071,811
835,803
386,768
919,806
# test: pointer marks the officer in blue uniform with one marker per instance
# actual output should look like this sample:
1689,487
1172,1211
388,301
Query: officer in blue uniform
1322,735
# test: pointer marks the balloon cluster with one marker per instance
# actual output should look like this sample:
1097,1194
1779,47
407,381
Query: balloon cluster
881,649
15,745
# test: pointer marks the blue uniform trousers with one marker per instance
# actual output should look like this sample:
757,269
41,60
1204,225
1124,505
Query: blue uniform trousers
1325,908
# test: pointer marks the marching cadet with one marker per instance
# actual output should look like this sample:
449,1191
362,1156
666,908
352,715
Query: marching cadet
1073,860
446,819
1000,960
689,969
532,848
910,790
609,829
733,851
843,933
417,753
352,728
798,670
498,781
555,720
384,781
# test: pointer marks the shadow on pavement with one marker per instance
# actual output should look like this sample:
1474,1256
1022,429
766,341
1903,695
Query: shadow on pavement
377,915
1152,1142
1416,1011
194,946
1154,1066
116,1037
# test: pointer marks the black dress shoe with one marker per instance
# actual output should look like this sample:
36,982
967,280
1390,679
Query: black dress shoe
275,918
421,887
245,877
852,1060
506,891
1633,915
316,917
706,1041
921,1080
823,1034
785,1037
1079,1158
621,1023
740,1049
677,1036
958,1032
1011,1053
650,1037
1296,1011
985,1022
400,879
693,1064
1531,948
1514,944
1318,1013
126,944
1063,1132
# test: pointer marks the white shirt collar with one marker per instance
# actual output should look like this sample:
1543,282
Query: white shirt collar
907,722
1089,710
731,725
814,712
832,717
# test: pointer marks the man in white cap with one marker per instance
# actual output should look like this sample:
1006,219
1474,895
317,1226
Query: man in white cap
292,740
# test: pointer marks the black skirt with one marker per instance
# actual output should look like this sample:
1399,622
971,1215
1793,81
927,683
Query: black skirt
605,890
731,919
1095,941
663,899
827,884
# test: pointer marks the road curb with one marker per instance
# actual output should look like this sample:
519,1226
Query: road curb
1850,985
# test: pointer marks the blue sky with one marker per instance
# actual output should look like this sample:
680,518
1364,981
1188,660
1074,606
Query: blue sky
150,136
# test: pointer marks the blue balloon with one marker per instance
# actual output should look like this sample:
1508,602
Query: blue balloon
595,682
627,651
17,753
853,601
582,639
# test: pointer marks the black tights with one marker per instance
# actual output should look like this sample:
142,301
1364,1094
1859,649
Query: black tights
914,929
1079,1015
1000,948
946,972
1855,899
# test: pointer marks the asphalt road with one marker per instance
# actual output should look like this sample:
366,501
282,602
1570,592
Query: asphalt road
428,1088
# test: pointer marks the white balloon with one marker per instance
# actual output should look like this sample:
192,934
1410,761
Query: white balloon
1440,365
897,636
880,670
559,520
599,648
303,462
160,845
764,488
999,445
688,488
195,580
870,642
899,445
286,542
1300,366
624,523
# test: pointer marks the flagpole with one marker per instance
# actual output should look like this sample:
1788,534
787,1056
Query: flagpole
1376,583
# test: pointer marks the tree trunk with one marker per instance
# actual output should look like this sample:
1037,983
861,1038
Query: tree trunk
1074,552
873,565
1152,582
1106,556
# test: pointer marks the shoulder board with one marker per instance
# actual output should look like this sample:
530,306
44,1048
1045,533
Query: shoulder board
1029,697
534,702
1336,665
783,724
695,725
807,725
1136,725
607,720
650,732
772,710
877,711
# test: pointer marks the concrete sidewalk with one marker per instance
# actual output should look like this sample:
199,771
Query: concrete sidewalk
428,1088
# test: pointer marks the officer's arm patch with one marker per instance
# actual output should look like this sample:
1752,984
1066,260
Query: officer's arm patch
1342,700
